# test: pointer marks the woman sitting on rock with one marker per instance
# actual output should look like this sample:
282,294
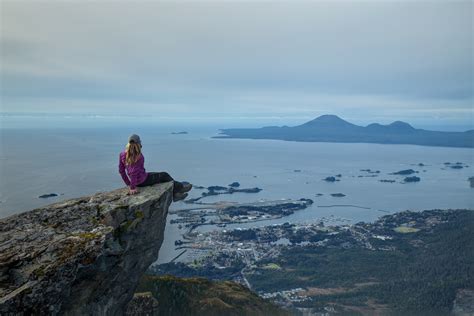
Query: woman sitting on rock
131,168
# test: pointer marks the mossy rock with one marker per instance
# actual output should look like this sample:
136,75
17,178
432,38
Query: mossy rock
139,214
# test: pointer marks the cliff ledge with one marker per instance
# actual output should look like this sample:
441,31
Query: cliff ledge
81,256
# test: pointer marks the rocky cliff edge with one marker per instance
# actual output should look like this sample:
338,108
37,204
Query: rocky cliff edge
82,256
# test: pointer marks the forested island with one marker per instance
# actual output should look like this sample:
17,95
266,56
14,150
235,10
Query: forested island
331,128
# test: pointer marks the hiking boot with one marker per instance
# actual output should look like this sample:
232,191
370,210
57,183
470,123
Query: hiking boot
179,196
186,187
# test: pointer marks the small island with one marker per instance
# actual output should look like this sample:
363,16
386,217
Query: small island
387,181
404,172
46,196
456,165
179,133
331,179
370,171
412,179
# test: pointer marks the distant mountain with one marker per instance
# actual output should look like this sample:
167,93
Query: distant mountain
331,128
329,121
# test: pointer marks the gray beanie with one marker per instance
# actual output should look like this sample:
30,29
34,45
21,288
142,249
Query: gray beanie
134,138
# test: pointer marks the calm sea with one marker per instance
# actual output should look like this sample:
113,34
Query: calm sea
76,159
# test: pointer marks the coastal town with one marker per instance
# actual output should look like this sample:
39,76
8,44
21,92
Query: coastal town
239,241
243,254
223,248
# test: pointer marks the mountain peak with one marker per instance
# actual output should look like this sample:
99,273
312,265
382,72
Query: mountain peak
374,125
401,125
328,119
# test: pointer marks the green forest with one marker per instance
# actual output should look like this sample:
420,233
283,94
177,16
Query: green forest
420,276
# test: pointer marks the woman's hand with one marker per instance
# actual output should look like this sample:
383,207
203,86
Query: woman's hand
133,191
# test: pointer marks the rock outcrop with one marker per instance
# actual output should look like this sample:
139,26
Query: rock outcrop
83,256
463,305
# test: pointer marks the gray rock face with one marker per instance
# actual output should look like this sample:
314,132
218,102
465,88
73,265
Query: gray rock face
464,303
83,256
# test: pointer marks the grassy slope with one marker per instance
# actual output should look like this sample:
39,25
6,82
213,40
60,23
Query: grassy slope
199,296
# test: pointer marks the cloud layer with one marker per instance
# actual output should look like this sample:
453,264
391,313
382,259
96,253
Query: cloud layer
288,58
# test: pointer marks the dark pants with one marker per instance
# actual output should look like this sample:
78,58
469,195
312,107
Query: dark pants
160,177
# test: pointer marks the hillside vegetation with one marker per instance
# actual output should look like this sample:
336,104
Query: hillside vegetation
199,296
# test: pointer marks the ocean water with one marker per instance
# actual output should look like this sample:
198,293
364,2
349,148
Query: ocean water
76,159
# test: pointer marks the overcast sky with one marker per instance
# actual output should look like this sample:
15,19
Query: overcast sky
372,60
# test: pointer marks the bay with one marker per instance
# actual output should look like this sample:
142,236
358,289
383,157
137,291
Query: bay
76,160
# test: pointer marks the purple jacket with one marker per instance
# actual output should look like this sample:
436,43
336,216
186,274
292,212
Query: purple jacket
136,172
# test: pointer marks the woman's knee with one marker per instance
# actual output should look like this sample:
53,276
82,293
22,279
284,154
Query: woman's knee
165,176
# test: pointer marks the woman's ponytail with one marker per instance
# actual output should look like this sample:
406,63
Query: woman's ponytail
133,151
